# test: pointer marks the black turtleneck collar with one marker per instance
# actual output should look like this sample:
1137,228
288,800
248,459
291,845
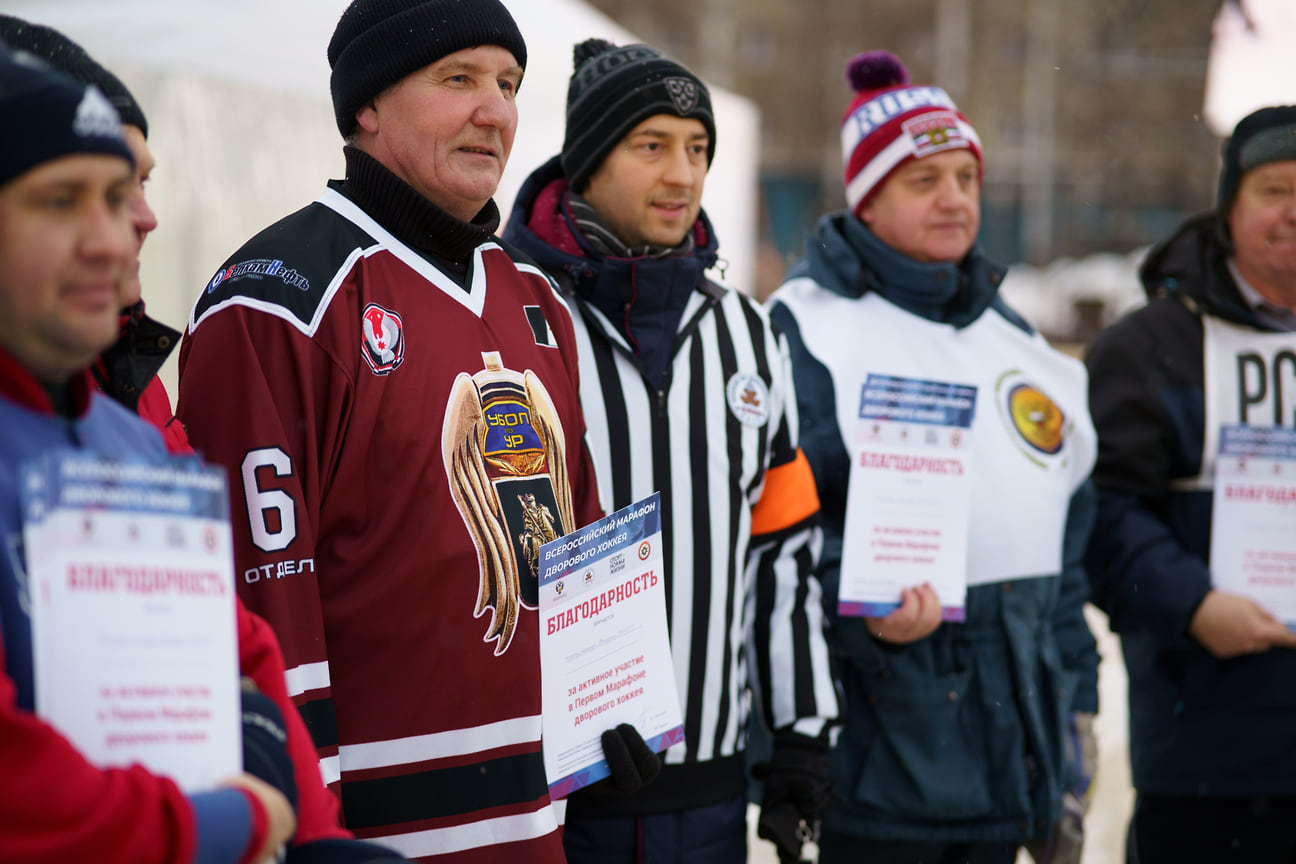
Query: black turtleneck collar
415,221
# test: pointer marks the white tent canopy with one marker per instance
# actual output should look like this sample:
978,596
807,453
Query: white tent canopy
241,124
1250,65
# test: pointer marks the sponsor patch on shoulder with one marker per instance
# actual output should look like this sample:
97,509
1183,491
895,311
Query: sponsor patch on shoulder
259,268
383,339
748,399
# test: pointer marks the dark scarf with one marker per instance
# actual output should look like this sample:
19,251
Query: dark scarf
600,237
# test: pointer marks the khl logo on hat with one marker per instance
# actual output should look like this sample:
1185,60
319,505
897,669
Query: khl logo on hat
683,93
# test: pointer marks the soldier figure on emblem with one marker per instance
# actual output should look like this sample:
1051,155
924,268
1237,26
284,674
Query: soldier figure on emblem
956,743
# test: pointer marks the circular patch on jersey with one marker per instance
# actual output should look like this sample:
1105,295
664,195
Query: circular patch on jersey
383,339
748,399
1035,417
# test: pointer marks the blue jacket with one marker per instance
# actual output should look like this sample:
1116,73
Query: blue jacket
27,433
959,736
1198,725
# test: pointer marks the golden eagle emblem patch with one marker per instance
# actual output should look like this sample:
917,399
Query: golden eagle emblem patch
506,464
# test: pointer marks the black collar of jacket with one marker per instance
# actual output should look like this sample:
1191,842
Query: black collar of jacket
414,220
1191,266
130,363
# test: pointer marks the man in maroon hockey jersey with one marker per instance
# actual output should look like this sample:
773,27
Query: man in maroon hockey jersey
391,390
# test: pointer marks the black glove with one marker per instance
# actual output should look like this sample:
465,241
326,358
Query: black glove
632,763
340,851
265,743
798,792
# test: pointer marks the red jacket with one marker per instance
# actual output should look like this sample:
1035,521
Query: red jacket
120,372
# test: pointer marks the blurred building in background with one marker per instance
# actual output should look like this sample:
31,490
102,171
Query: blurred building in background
1090,112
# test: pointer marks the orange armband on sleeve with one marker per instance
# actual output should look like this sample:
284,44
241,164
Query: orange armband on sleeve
789,497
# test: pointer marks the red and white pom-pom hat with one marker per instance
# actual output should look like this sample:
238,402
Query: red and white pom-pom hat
891,121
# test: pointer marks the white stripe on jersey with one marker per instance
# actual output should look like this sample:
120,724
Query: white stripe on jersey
330,769
487,832
439,745
308,676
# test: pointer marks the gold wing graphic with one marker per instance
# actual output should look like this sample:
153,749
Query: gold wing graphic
479,504
548,424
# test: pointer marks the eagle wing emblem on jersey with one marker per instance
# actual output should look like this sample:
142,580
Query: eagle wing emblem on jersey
505,461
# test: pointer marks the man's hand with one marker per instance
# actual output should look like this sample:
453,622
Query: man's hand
798,792
1230,625
631,762
917,617
282,822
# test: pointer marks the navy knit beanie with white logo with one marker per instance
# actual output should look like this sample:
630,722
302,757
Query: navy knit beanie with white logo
57,117
379,42
613,90
66,56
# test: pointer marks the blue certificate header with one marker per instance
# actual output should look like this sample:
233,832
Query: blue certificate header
914,400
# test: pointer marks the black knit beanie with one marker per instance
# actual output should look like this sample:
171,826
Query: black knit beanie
613,90
1263,136
57,117
379,42
68,57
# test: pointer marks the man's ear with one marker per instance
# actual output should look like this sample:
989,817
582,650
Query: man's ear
367,118
865,213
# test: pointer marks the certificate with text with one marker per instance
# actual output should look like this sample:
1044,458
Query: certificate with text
130,571
1253,517
605,655
908,496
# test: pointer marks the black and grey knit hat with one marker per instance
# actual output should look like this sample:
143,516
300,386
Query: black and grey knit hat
612,90
57,117
1263,136
379,42
66,56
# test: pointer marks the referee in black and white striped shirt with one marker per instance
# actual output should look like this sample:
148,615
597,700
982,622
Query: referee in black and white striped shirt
686,391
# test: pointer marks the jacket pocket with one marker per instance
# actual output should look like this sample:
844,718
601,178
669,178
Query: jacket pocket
927,758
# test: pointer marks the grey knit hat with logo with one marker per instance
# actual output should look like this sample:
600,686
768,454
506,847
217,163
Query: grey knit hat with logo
614,89
1263,136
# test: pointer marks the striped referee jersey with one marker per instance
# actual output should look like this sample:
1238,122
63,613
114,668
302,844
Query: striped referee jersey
740,532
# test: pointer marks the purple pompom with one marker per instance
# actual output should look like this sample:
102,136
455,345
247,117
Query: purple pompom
874,70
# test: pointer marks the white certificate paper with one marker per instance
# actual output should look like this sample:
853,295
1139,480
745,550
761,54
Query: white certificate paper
908,498
134,635
1253,517
605,654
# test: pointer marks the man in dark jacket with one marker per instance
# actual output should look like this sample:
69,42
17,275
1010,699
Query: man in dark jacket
954,747
1212,677
686,391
